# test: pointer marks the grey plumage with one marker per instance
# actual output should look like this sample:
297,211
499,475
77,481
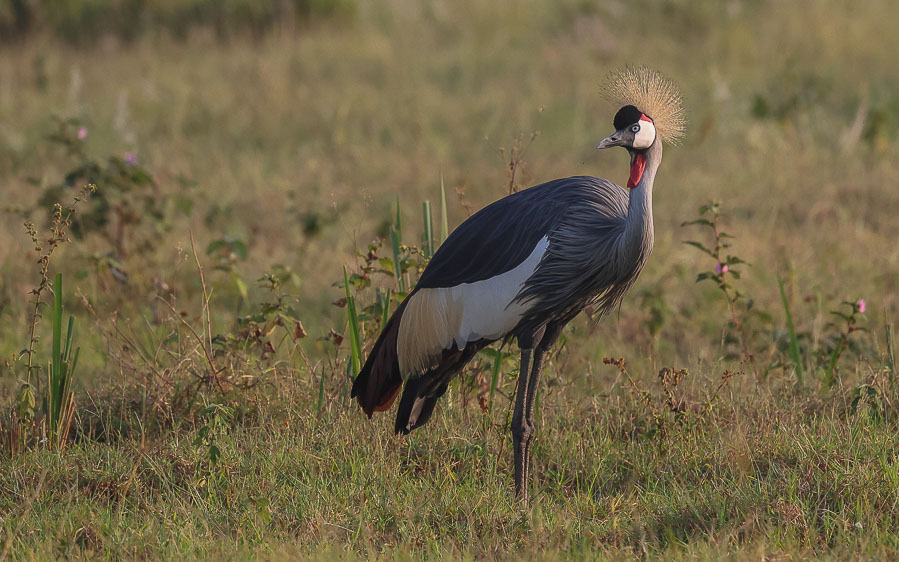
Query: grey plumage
596,251
599,235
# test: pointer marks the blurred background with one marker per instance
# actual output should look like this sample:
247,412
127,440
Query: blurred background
282,135
263,174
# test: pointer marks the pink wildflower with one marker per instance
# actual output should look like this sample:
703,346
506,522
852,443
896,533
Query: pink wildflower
82,133
130,158
862,306
720,268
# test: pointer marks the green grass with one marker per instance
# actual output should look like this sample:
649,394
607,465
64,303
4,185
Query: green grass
789,482
227,431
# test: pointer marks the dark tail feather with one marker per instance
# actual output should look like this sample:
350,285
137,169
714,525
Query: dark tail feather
379,380
415,410
421,393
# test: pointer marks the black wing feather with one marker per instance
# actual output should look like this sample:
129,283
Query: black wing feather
501,235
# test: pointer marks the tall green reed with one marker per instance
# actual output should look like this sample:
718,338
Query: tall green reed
354,329
427,246
444,224
396,236
59,401
794,350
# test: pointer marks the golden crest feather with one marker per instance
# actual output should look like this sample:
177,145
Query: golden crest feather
651,93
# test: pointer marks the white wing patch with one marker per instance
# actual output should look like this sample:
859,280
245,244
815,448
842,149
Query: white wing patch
437,318
487,307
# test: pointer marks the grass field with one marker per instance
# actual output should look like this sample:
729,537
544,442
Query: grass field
244,172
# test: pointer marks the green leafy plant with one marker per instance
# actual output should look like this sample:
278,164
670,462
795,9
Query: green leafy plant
218,418
125,211
57,403
252,345
749,329
124,218
849,325
867,397
228,252
710,217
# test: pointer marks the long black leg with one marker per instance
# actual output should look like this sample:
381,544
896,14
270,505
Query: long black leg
547,339
520,427
533,381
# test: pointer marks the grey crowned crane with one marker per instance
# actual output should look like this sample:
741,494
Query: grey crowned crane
524,267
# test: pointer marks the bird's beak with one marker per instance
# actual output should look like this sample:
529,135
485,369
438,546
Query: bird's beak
614,140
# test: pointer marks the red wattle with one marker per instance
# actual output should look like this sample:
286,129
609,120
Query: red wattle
636,170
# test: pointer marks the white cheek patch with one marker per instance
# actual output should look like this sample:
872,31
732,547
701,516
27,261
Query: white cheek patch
645,136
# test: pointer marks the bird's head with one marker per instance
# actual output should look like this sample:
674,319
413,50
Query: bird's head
634,130
651,112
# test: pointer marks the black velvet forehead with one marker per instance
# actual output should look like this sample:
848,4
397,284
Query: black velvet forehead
627,115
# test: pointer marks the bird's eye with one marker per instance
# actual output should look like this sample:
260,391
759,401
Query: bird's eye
635,128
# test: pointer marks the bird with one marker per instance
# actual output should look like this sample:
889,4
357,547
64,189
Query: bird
523,267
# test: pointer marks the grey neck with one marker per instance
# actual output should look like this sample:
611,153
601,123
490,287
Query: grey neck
638,234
